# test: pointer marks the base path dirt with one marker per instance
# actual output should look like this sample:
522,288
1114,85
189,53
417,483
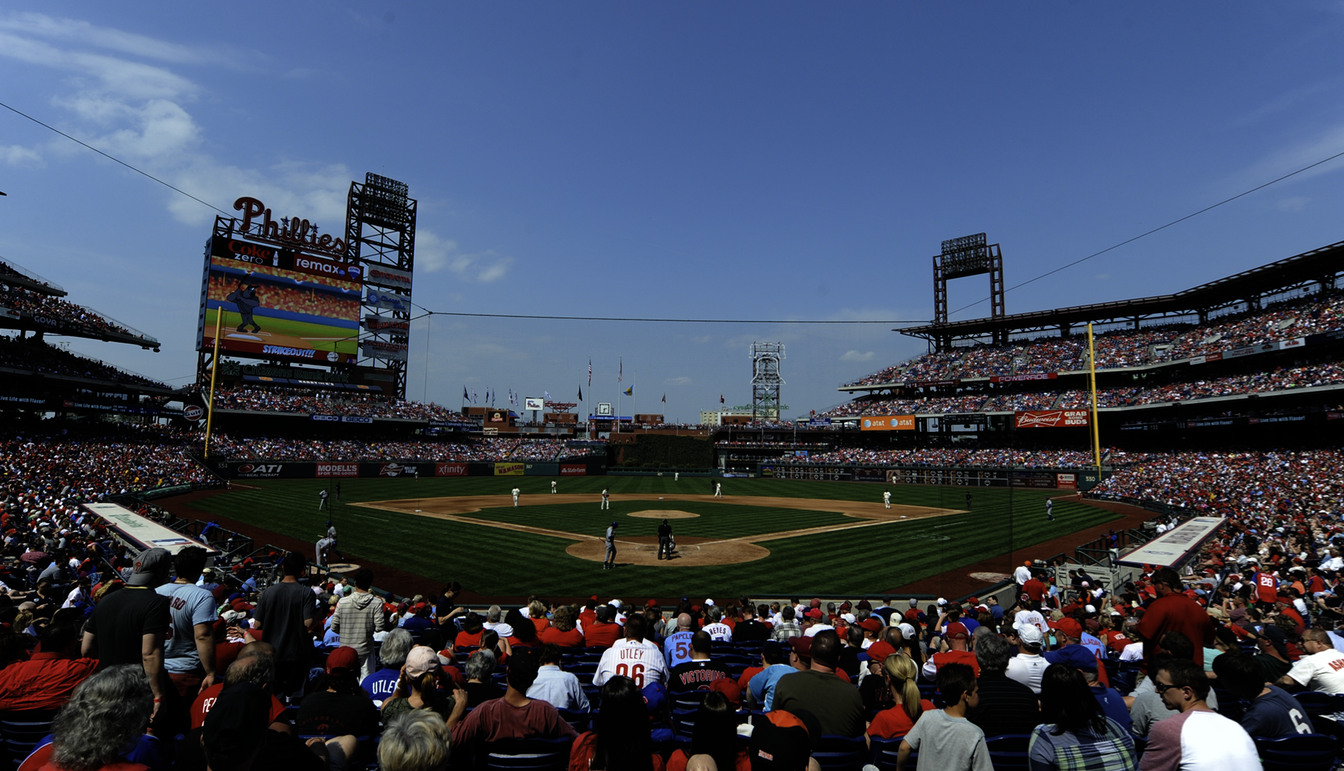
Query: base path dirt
690,552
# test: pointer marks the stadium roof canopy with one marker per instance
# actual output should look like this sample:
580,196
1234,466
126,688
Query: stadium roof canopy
1316,266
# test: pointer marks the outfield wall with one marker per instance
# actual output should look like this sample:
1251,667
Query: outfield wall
338,470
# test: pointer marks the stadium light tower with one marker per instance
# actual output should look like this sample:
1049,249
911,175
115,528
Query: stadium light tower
765,380
968,256
380,229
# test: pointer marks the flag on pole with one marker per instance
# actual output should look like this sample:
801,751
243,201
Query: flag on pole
546,395
580,393
721,399
590,373
473,397
465,396
664,398
630,391
620,371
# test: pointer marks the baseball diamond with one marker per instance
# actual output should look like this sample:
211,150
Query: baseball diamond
762,536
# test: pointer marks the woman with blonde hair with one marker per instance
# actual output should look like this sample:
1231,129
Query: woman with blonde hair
900,673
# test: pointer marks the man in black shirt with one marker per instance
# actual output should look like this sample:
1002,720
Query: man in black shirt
749,629
130,626
700,671
664,540
287,613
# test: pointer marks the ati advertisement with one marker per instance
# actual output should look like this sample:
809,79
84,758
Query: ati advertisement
279,303
888,423
1053,419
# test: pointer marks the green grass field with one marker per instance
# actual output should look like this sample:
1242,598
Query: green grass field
320,337
505,563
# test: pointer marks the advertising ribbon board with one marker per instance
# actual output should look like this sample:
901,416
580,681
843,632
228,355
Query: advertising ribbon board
1052,419
450,469
327,470
888,423
573,469
508,469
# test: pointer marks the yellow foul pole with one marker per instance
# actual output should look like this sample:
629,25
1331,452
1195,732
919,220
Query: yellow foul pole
214,370
1092,384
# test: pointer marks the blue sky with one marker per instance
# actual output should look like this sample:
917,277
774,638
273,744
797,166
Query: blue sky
691,160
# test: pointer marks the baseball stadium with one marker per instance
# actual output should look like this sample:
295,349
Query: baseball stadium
1064,460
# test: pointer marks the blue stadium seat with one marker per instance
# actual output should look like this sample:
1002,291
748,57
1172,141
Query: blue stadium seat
840,753
1308,752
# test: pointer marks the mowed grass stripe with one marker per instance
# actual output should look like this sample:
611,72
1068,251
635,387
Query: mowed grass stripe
498,562
716,520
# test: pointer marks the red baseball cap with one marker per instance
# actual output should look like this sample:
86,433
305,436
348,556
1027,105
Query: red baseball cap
343,660
802,646
814,613
1069,627
871,624
728,688
880,651
957,631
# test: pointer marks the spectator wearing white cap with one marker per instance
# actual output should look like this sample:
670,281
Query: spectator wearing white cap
1028,666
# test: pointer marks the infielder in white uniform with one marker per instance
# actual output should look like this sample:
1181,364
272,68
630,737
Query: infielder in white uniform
552,487
633,657
886,498
515,496
718,490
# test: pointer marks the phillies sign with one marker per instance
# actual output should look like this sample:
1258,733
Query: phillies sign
1052,419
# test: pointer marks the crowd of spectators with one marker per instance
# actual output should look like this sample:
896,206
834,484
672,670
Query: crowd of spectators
485,449
1293,318
1276,379
316,401
77,316
32,355
42,471
1306,483
964,456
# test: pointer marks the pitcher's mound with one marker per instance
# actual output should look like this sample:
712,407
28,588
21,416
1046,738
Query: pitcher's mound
691,552
341,567
660,514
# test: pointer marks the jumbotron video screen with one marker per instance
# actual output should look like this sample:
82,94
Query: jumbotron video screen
279,303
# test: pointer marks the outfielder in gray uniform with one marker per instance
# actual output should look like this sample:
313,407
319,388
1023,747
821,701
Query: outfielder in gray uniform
611,548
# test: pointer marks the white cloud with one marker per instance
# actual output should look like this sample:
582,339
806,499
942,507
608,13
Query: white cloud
15,155
433,254
1295,203
1292,157
135,112
702,339
855,356
678,381
75,31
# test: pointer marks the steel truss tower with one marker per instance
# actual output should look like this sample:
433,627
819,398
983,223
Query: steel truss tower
765,380
380,231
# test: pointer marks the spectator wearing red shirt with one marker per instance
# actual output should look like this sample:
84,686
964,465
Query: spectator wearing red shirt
1172,611
561,630
46,681
1035,589
957,651
470,636
602,633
